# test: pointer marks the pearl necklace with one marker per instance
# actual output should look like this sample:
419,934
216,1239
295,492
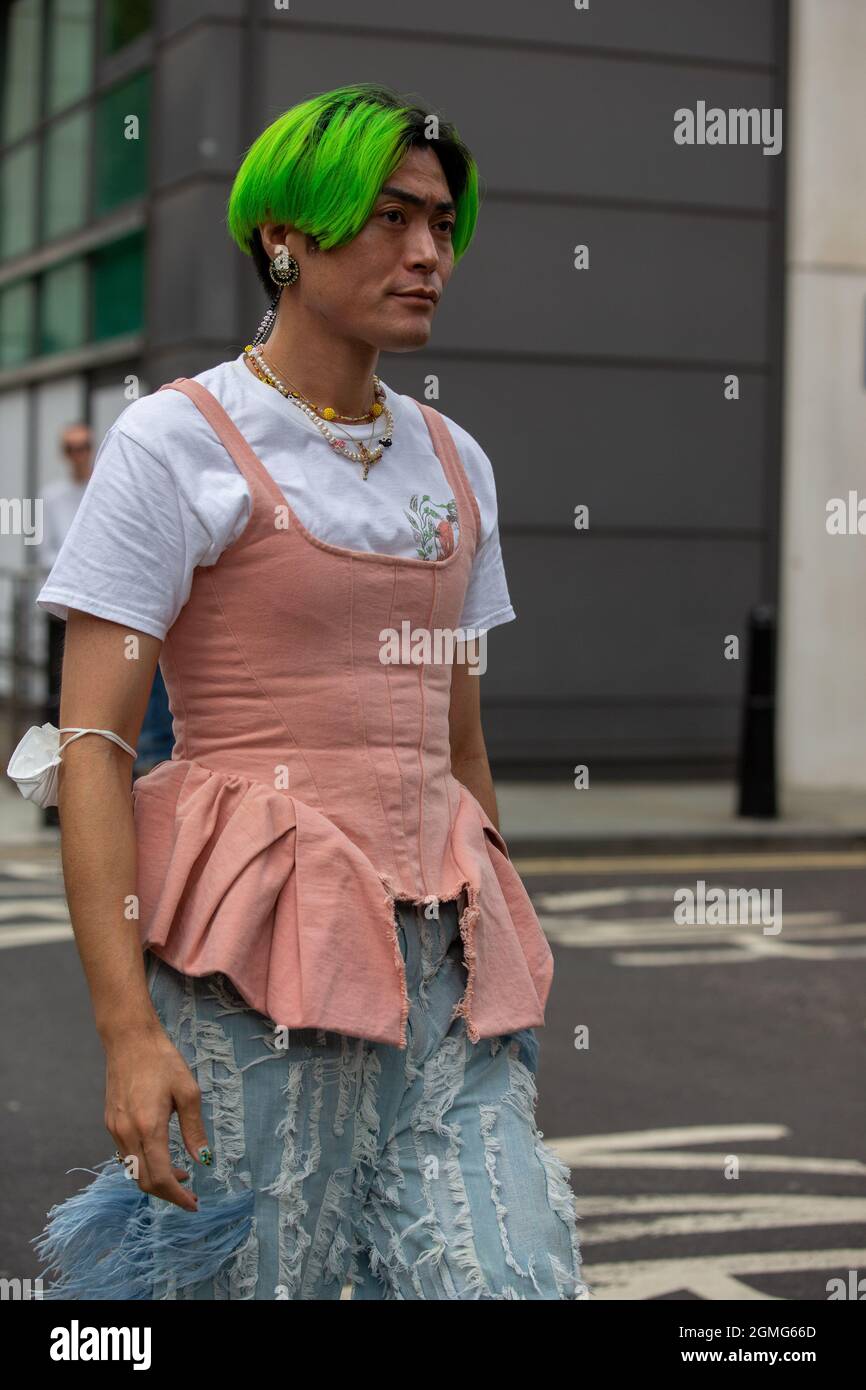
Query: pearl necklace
366,456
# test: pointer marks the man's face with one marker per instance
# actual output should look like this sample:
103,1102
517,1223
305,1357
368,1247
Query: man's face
358,290
78,448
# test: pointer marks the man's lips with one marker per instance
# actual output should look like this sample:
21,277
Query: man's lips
417,296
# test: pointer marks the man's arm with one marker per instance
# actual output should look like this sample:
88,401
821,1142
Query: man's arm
108,672
469,762
103,688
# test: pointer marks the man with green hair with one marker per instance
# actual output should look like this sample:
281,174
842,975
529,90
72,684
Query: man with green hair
334,1009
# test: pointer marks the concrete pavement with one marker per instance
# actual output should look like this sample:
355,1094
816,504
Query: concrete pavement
612,816
661,816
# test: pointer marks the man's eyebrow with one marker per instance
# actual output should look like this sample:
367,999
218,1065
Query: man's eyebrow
407,197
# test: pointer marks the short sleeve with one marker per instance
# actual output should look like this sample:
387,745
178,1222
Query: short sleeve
130,552
487,603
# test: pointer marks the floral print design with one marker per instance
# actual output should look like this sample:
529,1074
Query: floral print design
434,526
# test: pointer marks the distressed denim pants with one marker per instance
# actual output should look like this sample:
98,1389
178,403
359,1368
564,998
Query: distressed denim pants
341,1164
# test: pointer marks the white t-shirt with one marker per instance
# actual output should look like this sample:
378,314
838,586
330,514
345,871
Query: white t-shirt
165,496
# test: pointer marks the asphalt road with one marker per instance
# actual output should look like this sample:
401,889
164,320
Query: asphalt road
705,1083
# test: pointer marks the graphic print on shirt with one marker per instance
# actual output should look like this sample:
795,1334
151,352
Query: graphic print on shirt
434,526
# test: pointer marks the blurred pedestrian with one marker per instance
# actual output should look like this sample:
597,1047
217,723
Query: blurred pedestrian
60,502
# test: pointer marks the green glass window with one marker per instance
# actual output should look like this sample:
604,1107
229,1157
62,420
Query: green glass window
64,175
70,54
117,287
21,79
122,142
63,311
18,195
16,323
123,21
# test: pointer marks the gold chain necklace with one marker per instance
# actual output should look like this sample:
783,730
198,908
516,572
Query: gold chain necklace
366,457
329,413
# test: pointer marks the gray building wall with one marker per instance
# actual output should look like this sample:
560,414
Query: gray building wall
603,386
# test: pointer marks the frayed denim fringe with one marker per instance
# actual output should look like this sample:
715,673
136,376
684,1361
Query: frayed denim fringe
529,1048
108,1242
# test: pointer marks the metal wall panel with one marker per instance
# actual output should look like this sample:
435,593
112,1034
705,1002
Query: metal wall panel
643,453
738,30
543,123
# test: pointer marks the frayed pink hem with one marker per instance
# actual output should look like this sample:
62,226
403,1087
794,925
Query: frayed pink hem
467,923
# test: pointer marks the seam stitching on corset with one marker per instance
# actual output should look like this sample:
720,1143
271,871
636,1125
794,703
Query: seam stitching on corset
359,705
259,685
168,647
393,739
422,733
452,809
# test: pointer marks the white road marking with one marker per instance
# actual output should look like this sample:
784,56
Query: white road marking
34,921
664,1148
13,909
567,920
606,931
706,1215
654,1215
713,1277
714,1162
29,869
34,936
750,951
669,1138
580,898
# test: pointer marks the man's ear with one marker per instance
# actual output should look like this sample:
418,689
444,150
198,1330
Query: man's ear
276,232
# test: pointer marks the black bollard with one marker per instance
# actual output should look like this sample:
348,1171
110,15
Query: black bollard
757,759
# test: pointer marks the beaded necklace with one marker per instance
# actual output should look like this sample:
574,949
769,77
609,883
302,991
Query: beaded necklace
367,457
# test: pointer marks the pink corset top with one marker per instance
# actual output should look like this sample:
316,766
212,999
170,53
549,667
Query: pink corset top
310,783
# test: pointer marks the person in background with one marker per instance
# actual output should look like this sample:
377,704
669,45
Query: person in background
156,739
60,504
60,500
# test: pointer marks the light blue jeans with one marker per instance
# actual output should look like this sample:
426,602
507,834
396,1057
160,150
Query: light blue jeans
340,1164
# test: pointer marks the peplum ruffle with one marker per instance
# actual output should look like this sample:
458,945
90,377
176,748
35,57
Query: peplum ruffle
239,878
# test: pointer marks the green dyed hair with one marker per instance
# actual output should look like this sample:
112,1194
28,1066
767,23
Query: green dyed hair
321,165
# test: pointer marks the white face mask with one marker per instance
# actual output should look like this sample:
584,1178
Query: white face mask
34,766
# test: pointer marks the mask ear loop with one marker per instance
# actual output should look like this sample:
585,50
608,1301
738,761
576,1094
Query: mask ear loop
106,733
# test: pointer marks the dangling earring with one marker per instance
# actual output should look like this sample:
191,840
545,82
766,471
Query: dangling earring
267,322
283,270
